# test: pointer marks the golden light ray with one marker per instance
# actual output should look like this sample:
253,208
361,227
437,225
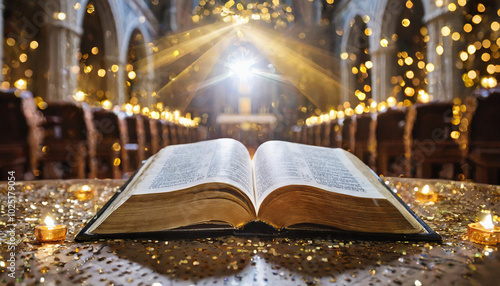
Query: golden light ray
184,44
180,91
212,81
271,76
302,48
310,78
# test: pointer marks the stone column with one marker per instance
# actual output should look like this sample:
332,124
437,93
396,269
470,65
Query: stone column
307,11
444,83
63,41
173,18
318,6
345,76
115,82
381,72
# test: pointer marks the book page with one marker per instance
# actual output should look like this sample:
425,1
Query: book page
278,164
179,167
183,166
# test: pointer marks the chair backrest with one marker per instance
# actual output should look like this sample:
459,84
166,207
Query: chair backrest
485,123
303,134
324,133
64,121
391,125
348,133
147,129
106,124
173,132
14,128
433,121
363,127
132,129
335,134
165,133
157,127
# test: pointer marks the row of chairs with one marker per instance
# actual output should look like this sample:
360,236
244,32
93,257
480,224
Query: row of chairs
418,141
68,140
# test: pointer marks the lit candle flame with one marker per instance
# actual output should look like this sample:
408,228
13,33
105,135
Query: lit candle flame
85,188
425,189
49,222
487,223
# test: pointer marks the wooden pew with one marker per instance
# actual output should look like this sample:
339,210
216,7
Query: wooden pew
335,140
68,142
348,132
484,137
364,140
111,139
389,134
429,147
21,135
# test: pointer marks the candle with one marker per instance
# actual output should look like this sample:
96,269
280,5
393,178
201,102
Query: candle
50,232
484,232
83,192
426,195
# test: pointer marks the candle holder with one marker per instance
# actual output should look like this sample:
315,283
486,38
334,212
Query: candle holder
426,195
50,232
484,232
82,192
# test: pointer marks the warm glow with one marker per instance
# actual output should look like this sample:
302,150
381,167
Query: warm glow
49,222
439,50
425,189
21,84
60,16
34,45
101,73
384,43
132,75
241,68
487,223
429,67
106,104
79,96
445,31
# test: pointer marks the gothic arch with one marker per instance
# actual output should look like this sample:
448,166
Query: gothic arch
357,47
107,17
355,11
135,51
109,22
402,77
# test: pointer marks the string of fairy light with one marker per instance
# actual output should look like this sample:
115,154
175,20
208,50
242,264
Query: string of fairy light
277,12
478,60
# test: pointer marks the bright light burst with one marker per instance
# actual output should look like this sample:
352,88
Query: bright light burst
314,81
241,67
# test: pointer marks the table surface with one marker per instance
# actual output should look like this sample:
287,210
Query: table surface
243,261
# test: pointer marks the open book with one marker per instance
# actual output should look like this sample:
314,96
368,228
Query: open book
215,188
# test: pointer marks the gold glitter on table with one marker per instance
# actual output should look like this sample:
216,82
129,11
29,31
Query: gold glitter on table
243,261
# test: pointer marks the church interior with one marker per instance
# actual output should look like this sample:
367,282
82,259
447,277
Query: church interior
92,88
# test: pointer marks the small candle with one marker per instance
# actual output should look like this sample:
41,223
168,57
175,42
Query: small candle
83,192
484,232
50,232
426,195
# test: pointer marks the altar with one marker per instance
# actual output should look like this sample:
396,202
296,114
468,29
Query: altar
247,261
250,129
